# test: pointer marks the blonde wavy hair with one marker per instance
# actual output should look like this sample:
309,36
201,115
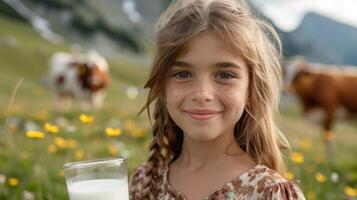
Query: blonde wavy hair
243,34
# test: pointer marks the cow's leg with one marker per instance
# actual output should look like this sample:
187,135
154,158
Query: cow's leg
97,99
84,98
328,122
59,101
68,102
63,102
328,134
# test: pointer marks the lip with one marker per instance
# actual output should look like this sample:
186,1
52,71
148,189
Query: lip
201,114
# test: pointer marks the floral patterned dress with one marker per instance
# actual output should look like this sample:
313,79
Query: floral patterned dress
258,183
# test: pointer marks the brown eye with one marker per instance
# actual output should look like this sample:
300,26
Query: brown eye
182,75
225,75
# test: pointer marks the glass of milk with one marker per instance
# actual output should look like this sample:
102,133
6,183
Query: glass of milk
103,179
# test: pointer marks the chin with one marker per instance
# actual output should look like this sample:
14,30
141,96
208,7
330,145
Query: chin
201,136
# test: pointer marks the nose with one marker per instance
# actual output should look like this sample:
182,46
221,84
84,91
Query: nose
202,92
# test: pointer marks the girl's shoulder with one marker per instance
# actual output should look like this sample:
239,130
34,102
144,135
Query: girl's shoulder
262,182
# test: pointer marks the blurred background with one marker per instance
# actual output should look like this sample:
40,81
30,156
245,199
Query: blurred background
39,131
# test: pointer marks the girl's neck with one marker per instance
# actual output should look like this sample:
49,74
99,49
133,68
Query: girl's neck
199,155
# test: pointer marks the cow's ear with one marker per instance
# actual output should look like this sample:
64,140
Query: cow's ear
74,64
82,69
306,73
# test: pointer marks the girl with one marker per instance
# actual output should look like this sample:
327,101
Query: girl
215,83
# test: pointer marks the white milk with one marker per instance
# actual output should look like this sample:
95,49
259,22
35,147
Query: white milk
100,189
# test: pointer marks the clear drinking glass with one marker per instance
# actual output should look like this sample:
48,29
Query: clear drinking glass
102,179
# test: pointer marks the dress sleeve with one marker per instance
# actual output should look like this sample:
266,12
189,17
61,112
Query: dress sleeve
135,182
286,190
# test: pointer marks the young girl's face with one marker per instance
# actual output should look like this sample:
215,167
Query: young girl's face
206,89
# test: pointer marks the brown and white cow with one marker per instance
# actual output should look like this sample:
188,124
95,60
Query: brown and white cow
324,87
83,77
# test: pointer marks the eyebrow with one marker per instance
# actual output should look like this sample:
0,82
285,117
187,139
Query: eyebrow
219,64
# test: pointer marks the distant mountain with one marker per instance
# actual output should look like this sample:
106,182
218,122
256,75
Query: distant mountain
322,39
318,38
127,25
106,25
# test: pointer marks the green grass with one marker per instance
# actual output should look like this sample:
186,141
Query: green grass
39,171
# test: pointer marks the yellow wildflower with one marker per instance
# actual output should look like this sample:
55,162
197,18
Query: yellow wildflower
112,132
297,157
289,175
61,173
52,148
51,128
86,119
320,177
60,142
79,154
113,150
71,143
351,192
35,134
13,181
137,132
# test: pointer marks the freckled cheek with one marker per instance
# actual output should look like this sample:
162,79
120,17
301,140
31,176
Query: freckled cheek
232,97
176,92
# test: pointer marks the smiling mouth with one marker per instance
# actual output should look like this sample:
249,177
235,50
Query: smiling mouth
201,116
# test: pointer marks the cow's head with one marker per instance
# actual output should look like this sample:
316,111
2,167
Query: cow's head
291,69
90,76
302,81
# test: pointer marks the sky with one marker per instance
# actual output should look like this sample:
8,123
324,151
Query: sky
287,14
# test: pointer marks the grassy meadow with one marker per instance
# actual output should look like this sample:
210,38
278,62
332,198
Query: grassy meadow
36,140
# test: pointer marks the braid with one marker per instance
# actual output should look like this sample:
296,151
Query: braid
152,164
156,159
